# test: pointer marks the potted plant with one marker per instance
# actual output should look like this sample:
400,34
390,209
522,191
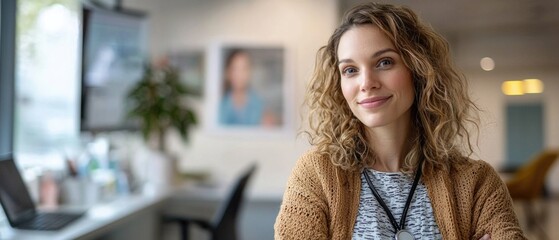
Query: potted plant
157,100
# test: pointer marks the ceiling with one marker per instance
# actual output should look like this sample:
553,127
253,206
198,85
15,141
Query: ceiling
467,15
519,35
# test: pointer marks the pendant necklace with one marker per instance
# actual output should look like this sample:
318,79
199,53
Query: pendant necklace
401,232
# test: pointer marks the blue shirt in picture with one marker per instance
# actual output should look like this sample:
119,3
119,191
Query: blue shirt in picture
249,114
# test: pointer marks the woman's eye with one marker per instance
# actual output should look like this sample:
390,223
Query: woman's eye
349,71
384,63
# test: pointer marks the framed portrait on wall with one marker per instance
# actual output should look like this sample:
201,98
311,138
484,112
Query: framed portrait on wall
249,89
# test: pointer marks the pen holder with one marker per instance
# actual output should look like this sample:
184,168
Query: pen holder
80,192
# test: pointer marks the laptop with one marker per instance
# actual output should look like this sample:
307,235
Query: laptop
20,208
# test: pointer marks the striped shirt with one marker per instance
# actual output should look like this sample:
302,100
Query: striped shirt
372,221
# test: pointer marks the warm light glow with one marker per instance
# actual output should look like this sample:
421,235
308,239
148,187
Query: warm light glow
521,87
487,64
513,87
533,86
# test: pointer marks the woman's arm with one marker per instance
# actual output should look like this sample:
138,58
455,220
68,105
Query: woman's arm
493,211
303,212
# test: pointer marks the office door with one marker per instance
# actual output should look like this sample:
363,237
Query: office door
524,133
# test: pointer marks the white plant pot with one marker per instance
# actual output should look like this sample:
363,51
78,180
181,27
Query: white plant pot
161,171
157,170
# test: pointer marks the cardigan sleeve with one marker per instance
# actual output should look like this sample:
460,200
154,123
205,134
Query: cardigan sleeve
493,209
303,212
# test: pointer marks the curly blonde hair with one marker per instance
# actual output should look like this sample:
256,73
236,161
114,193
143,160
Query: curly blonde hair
441,111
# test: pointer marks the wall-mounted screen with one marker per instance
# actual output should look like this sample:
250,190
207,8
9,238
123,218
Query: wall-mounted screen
114,55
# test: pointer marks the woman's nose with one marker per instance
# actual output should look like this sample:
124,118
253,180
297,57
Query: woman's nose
369,81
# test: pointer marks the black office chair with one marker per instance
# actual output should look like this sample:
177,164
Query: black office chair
224,224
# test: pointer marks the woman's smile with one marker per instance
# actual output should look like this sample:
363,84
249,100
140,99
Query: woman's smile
374,102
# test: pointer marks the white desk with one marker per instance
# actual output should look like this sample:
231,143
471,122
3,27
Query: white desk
98,220
139,213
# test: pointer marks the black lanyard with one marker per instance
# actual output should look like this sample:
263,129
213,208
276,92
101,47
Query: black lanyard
408,201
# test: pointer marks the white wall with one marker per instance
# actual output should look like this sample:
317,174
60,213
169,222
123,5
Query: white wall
485,89
301,26
519,54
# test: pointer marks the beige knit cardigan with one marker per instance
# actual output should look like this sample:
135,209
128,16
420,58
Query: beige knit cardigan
321,202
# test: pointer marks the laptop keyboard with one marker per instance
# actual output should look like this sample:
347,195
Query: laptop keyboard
49,221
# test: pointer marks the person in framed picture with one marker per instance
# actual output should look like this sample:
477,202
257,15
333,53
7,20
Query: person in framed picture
389,120
241,104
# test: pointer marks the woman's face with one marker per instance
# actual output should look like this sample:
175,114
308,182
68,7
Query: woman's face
375,82
239,70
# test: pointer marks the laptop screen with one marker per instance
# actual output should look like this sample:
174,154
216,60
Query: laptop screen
14,195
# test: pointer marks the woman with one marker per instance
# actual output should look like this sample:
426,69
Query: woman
388,120
240,104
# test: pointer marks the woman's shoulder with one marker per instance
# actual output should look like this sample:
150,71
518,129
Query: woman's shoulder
316,163
472,165
313,159
469,163
474,171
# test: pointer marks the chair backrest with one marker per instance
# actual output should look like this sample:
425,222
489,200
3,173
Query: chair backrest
225,221
529,180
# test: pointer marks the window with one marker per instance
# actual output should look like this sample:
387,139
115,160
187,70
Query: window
46,73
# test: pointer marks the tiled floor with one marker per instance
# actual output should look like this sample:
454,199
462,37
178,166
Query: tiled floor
549,229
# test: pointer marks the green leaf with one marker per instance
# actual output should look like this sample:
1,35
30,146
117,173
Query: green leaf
159,103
